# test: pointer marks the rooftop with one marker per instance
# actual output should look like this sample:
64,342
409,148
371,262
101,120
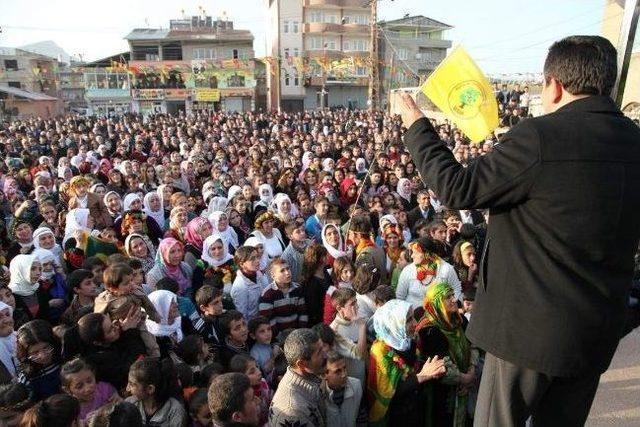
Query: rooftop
34,96
420,21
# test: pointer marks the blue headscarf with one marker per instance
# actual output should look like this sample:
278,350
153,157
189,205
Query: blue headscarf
390,324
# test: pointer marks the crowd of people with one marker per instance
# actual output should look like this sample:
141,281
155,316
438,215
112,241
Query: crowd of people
283,269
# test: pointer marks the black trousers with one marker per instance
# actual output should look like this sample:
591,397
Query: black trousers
510,394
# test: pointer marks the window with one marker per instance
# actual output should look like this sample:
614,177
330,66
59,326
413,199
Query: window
296,51
234,53
362,71
296,80
287,81
11,64
286,53
151,57
285,27
315,16
212,54
331,44
331,19
295,27
315,43
346,45
14,84
402,54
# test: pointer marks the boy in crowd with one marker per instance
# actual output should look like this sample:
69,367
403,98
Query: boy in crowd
209,305
343,395
234,328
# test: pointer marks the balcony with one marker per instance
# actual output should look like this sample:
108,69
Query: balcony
356,28
321,53
322,27
352,4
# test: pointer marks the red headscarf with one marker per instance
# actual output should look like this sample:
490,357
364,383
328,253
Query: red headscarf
345,199
191,234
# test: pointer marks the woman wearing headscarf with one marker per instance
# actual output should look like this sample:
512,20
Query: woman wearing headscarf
81,198
196,231
257,243
169,263
168,331
427,268
283,208
392,238
220,222
334,243
348,192
103,171
21,233
113,202
44,238
390,219
53,284
138,246
25,272
178,220
154,209
270,236
361,168
265,196
78,227
464,262
396,381
441,334
164,192
116,182
215,263
407,198
8,362
136,221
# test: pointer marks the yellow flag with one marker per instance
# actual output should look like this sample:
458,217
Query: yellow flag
462,92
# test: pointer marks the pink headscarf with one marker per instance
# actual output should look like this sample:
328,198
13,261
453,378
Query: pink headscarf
173,271
191,234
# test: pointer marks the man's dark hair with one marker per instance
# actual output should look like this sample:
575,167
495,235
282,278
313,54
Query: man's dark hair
585,65
227,318
226,395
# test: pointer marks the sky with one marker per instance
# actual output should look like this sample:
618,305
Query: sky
504,37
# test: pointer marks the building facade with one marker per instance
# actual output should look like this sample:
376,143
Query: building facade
29,71
107,86
71,88
319,51
410,49
197,63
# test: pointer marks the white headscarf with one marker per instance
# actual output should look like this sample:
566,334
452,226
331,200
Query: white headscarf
233,190
342,250
43,231
77,219
162,300
361,165
254,242
206,245
160,191
104,199
229,236
130,198
94,187
390,324
8,346
399,189
122,169
44,256
266,200
276,207
20,281
158,215
217,204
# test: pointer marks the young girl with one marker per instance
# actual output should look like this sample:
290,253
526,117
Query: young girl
342,275
53,284
366,280
25,272
38,352
154,390
60,410
316,281
249,282
248,366
79,381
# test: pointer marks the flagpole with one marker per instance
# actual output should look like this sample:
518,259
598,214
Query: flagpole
625,47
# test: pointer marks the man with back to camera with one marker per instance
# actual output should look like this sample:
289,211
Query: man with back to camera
562,190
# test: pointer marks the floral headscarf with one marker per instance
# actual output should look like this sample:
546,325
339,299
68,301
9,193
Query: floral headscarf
390,324
127,219
192,232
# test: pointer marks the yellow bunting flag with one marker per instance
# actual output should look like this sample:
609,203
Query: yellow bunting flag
460,89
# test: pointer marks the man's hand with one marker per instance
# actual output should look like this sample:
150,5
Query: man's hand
409,110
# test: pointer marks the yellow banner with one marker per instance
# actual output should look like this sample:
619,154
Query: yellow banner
207,95
460,89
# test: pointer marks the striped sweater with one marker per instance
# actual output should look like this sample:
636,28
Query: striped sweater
284,310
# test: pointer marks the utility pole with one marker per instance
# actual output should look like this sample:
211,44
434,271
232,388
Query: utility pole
374,81
625,46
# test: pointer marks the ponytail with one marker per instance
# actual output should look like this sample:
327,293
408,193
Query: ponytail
59,410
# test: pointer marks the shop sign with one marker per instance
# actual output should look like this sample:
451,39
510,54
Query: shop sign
180,94
207,95
147,93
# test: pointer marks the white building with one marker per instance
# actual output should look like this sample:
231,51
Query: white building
314,41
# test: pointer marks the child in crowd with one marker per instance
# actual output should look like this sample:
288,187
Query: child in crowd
79,381
234,328
199,408
14,400
282,302
138,277
342,275
53,283
351,327
207,325
403,261
194,352
84,290
262,350
118,282
249,282
366,280
96,266
247,365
